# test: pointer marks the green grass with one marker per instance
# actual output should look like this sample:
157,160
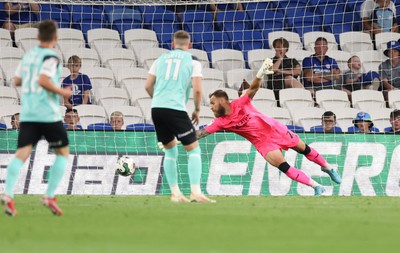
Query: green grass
234,224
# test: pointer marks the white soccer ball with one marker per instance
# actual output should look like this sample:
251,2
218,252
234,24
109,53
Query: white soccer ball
125,166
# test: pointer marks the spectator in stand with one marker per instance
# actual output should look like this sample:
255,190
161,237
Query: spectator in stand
363,124
117,120
328,121
354,79
383,18
71,120
319,70
367,8
215,8
15,121
395,122
286,70
20,15
389,70
81,84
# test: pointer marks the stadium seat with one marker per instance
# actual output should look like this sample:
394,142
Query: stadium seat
298,54
213,40
353,42
332,99
196,22
163,22
365,100
232,94
280,114
247,40
394,99
9,60
320,129
381,40
118,58
99,77
111,96
296,129
102,39
263,105
149,55
293,38
341,58
139,39
6,112
267,20
371,60
140,127
5,38
380,117
295,97
8,96
227,59
345,116
201,56
354,129
123,18
59,54
90,114
213,79
56,13
306,116
307,23
69,38
100,127
310,37
26,38
256,57
235,77
132,114
145,106
2,78
88,56
232,21
387,129
3,126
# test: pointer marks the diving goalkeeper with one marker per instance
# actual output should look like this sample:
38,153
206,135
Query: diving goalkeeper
267,134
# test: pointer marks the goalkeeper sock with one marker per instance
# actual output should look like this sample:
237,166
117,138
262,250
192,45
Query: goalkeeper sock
12,175
171,172
56,174
300,176
194,168
315,157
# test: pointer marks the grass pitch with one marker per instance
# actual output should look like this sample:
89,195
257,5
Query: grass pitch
234,224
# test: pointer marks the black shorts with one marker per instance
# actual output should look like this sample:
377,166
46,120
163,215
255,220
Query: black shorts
32,132
171,123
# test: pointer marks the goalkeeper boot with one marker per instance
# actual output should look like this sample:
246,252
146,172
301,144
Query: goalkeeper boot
200,198
51,204
179,198
333,174
318,190
9,206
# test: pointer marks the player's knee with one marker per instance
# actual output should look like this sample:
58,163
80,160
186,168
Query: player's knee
306,151
284,167
172,152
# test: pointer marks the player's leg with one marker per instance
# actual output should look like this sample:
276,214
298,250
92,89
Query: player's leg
57,137
312,155
275,158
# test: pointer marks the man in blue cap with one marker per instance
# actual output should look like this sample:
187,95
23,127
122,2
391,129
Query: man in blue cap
363,124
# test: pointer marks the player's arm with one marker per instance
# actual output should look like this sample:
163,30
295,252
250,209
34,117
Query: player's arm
48,70
313,77
265,69
151,79
201,133
17,80
196,82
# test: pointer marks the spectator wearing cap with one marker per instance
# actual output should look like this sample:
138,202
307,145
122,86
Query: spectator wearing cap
71,120
328,124
395,122
363,124
389,70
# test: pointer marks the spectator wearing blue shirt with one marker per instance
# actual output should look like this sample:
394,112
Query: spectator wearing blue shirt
71,120
328,124
80,83
319,70
395,122
383,18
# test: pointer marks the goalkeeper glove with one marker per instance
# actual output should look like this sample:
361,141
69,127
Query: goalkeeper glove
265,68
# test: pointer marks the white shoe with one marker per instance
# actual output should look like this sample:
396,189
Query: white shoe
179,198
201,198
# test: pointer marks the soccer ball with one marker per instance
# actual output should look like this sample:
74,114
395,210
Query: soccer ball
125,166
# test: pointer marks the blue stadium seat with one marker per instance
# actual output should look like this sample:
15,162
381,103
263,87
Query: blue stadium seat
66,126
140,127
354,129
291,4
320,129
387,129
3,14
296,129
163,22
3,126
122,18
306,24
259,6
247,40
233,21
100,126
55,12
197,22
338,28
212,40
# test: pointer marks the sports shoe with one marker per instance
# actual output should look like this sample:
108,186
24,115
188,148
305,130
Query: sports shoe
318,190
179,198
9,206
51,204
201,198
333,174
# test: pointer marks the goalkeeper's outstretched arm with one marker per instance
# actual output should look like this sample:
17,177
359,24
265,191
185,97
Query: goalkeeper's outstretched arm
265,69
201,133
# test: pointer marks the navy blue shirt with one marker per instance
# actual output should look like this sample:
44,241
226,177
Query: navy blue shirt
327,65
79,85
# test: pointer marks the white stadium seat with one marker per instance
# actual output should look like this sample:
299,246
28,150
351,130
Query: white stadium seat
371,60
102,39
394,99
235,77
90,114
88,56
307,116
8,96
5,38
381,39
367,99
298,54
353,42
292,37
139,39
265,96
295,97
380,117
9,60
108,97
280,114
213,79
26,38
232,94
341,58
99,77
345,116
6,112
332,99
310,38
202,57
227,59
69,38
149,55
256,57
118,58
132,114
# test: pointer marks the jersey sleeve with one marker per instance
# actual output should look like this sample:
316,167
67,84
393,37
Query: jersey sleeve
244,99
153,69
214,126
87,85
18,71
196,69
49,66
